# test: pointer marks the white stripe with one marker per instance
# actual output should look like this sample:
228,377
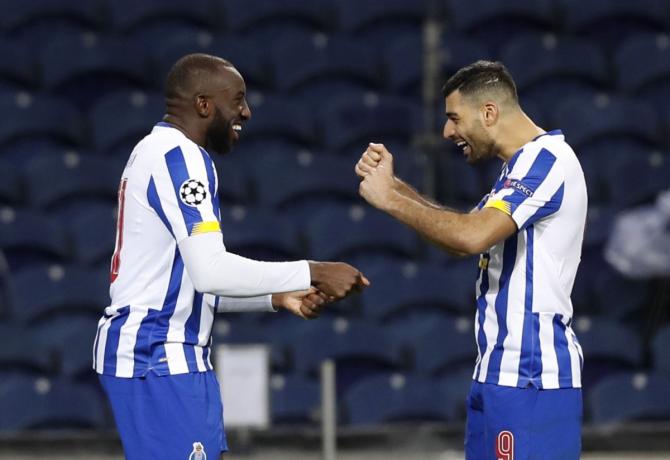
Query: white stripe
176,328
125,355
176,358
549,358
509,364
196,170
574,358
490,317
549,186
205,328
102,344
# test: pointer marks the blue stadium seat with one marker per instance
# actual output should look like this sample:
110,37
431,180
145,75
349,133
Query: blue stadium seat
303,183
127,15
259,234
609,347
11,188
17,15
660,345
243,53
457,387
460,184
359,349
240,15
59,181
28,238
354,15
121,119
22,352
92,233
279,117
347,233
388,398
401,289
350,123
294,399
233,179
41,403
69,342
17,68
606,117
611,23
630,397
86,67
599,220
502,20
560,65
643,68
39,116
316,62
438,343
62,290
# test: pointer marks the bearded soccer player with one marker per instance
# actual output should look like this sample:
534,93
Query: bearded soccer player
525,401
171,272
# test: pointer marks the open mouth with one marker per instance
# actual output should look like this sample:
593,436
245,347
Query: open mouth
464,146
237,129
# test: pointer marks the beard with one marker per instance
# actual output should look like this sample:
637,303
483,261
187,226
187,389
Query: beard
219,137
482,145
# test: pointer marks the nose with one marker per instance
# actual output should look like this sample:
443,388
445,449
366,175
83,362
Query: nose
449,129
245,113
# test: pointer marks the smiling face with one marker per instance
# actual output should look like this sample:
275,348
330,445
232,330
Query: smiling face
230,111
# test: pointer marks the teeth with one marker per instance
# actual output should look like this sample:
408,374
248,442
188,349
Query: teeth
237,127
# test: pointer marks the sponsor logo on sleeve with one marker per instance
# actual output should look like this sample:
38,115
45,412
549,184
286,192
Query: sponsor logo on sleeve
515,184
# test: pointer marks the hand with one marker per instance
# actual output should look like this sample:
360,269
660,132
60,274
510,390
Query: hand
378,182
336,279
306,304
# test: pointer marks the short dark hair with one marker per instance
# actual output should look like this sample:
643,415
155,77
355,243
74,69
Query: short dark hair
190,71
481,77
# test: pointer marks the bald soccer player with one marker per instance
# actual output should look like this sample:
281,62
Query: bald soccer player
171,273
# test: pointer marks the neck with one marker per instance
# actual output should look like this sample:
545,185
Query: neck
518,130
189,129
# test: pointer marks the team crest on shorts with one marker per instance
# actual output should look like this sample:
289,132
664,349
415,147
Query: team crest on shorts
192,192
198,452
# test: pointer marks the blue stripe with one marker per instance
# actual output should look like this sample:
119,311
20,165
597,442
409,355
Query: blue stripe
509,257
192,329
526,365
143,342
550,207
562,353
176,165
155,202
537,173
112,344
481,312
211,178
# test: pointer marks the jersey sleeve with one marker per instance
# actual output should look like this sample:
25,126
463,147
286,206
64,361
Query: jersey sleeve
182,191
533,189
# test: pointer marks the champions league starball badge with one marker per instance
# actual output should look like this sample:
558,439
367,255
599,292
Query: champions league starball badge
192,192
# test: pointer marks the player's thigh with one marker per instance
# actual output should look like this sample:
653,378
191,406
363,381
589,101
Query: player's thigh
557,424
474,425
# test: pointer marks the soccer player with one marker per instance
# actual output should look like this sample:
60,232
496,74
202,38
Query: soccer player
171,272
525,401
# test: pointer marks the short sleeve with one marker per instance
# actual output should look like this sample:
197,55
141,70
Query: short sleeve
533,189
182,191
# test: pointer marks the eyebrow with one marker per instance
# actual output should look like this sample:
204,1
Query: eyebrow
452,115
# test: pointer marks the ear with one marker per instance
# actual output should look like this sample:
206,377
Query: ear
490,113
202,105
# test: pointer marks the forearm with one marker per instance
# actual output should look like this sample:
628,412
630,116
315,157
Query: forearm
407,190
214,270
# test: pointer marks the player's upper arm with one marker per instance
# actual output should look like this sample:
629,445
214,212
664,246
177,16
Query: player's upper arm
182,191
488,226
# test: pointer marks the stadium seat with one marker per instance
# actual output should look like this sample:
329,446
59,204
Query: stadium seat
21,351
401,289
259,234
599,220
18,15
233,179
84,68
243,53
92,233
359,349
609,347
347,233
121,119
239,15
35,116
63,290
439,344
354,15
11,188
606,117
350,123
129,15
630,397
279,117
660,345
388,398
503,20
457,388
294,399
560,65
316,62
303,183
17,68
59,181
611,23
460,184
42,403
28,238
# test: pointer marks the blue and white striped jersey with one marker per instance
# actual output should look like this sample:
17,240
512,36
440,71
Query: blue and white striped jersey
156,320
524,312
